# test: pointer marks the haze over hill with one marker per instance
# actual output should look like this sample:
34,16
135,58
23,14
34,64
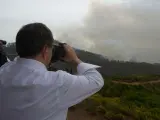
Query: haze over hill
118,29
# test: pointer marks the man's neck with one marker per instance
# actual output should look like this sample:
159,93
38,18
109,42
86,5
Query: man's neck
37,58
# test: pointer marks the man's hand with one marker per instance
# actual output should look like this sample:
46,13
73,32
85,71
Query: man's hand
71,55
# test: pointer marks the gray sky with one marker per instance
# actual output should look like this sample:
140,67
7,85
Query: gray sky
119,29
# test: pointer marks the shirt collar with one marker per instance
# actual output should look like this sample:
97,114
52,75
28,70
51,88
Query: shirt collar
31,63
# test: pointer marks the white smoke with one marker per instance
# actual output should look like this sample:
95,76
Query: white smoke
122,31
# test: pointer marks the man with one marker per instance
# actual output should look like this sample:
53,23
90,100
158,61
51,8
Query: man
29,92
3,57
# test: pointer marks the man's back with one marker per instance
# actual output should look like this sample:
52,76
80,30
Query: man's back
29,92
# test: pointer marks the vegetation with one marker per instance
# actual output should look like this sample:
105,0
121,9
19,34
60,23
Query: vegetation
126,102
136,78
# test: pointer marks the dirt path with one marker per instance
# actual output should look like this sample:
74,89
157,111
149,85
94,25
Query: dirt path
81,114
136,83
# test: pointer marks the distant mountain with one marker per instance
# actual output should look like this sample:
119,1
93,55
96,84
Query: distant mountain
109,67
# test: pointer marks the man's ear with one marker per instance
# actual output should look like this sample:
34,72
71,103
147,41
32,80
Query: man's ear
45,51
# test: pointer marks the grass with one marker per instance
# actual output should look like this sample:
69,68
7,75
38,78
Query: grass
126,102
135,78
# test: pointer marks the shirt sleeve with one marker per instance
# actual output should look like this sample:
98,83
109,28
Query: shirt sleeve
76,88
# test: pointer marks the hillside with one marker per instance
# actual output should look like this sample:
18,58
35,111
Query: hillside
109,68
122,102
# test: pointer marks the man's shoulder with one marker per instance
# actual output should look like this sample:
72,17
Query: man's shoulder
55,77
47,77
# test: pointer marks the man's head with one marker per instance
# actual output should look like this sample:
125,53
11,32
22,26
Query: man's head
2,42
35,41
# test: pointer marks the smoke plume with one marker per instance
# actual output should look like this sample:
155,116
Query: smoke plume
122,31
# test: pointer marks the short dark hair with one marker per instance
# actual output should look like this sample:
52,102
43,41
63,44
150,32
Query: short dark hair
31,39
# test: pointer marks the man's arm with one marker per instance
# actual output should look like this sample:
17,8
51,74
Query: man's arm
77,88
3,59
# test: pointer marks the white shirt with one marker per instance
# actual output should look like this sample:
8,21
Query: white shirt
8,60
16,58
29,92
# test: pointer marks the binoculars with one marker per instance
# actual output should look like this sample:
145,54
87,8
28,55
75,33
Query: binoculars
58,51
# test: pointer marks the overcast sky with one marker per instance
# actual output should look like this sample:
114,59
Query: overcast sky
118,29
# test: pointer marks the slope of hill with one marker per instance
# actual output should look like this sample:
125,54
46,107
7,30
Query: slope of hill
124,102
109,67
